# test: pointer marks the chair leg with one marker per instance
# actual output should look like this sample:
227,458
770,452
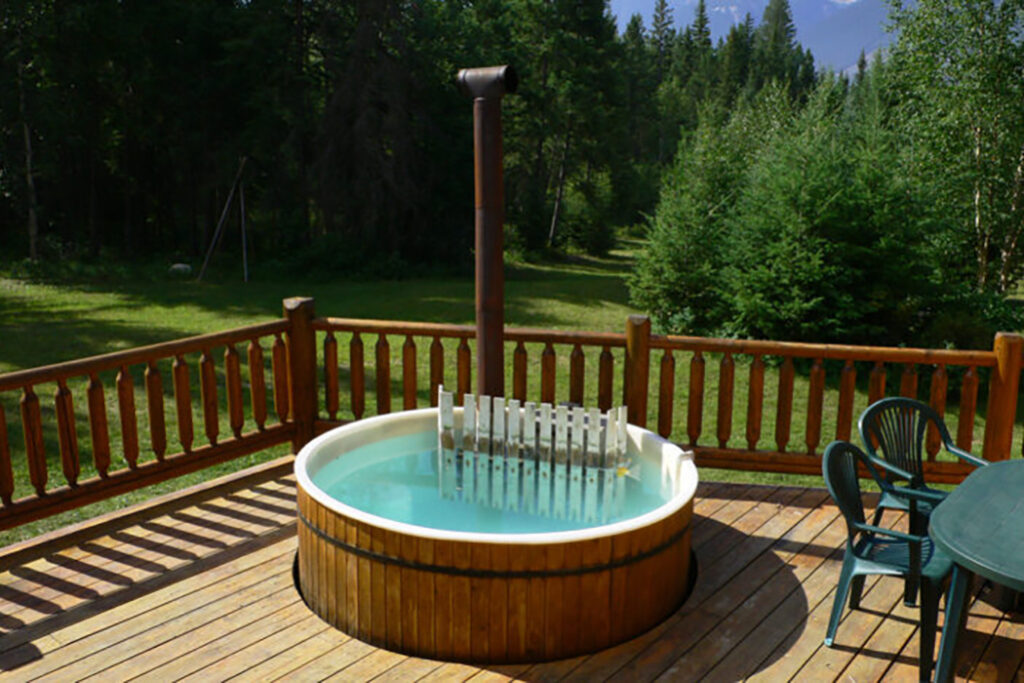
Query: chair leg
913,580
929,623
856,589
910,591
845,577
878,516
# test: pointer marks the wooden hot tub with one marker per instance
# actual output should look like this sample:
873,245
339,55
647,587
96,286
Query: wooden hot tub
487,597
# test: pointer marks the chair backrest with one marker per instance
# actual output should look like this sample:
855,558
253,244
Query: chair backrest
894,429
839,467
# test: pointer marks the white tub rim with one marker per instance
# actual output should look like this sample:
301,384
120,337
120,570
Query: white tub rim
425,419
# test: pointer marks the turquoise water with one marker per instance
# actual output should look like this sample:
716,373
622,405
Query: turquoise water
397,479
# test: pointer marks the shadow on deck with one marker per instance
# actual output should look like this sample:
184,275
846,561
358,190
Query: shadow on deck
199,585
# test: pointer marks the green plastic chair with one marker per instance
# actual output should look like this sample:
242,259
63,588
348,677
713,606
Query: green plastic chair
893,431
874,550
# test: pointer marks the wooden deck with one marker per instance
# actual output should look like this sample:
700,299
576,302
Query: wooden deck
200,587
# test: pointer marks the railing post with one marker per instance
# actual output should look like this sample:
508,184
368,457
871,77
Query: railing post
301,368
638,368
1002,396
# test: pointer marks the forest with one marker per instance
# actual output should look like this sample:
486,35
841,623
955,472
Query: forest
777,199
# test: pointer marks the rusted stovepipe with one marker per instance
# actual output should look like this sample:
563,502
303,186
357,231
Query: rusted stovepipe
486,86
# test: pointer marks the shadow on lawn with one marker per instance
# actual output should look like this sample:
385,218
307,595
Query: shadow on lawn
85,318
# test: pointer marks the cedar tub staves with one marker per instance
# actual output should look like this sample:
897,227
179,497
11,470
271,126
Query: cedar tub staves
488,597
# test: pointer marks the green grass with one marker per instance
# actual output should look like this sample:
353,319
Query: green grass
47,320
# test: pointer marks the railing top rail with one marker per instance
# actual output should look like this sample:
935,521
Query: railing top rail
110,361
325,324
826,351
515,334
533,334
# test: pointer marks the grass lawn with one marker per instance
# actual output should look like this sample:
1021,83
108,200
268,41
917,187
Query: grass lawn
45,321
49,320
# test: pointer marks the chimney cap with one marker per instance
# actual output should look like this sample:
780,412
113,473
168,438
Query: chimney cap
488,81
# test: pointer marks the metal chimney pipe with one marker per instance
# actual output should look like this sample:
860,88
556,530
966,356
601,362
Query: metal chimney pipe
487,86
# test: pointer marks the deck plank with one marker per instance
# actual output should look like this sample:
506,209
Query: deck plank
71,639
109,563
165,641
728,587
279,665
204,592
409,669
855,629
227,643
285,640
765,637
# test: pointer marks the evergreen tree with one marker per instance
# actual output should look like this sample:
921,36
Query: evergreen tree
635,172
663,38
734,60
776,54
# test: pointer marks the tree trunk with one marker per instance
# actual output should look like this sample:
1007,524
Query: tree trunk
30,183
981,231
302,138
1008,255
561,187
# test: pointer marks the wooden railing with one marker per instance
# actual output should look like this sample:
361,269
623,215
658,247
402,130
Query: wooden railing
319,372
822,377
179,380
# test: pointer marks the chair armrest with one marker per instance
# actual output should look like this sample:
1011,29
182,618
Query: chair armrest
965,456
913,538
889,467
927,495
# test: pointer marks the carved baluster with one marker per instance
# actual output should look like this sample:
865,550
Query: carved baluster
547,374
383,360
726,373
257,384
755,402
576,365
666,392
126,408
409,373
908,381
784,414
279,367
695,401
357,368
155,406
519,372
233,387
6,469
604,379
968,406
331,375
847,388
815,401
66,434
436,368
463,377
876,383
183,402
32,427
940,385
208,396
98,429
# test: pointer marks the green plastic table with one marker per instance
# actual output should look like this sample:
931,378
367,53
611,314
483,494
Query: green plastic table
981,526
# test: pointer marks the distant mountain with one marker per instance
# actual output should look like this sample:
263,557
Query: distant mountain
835,30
